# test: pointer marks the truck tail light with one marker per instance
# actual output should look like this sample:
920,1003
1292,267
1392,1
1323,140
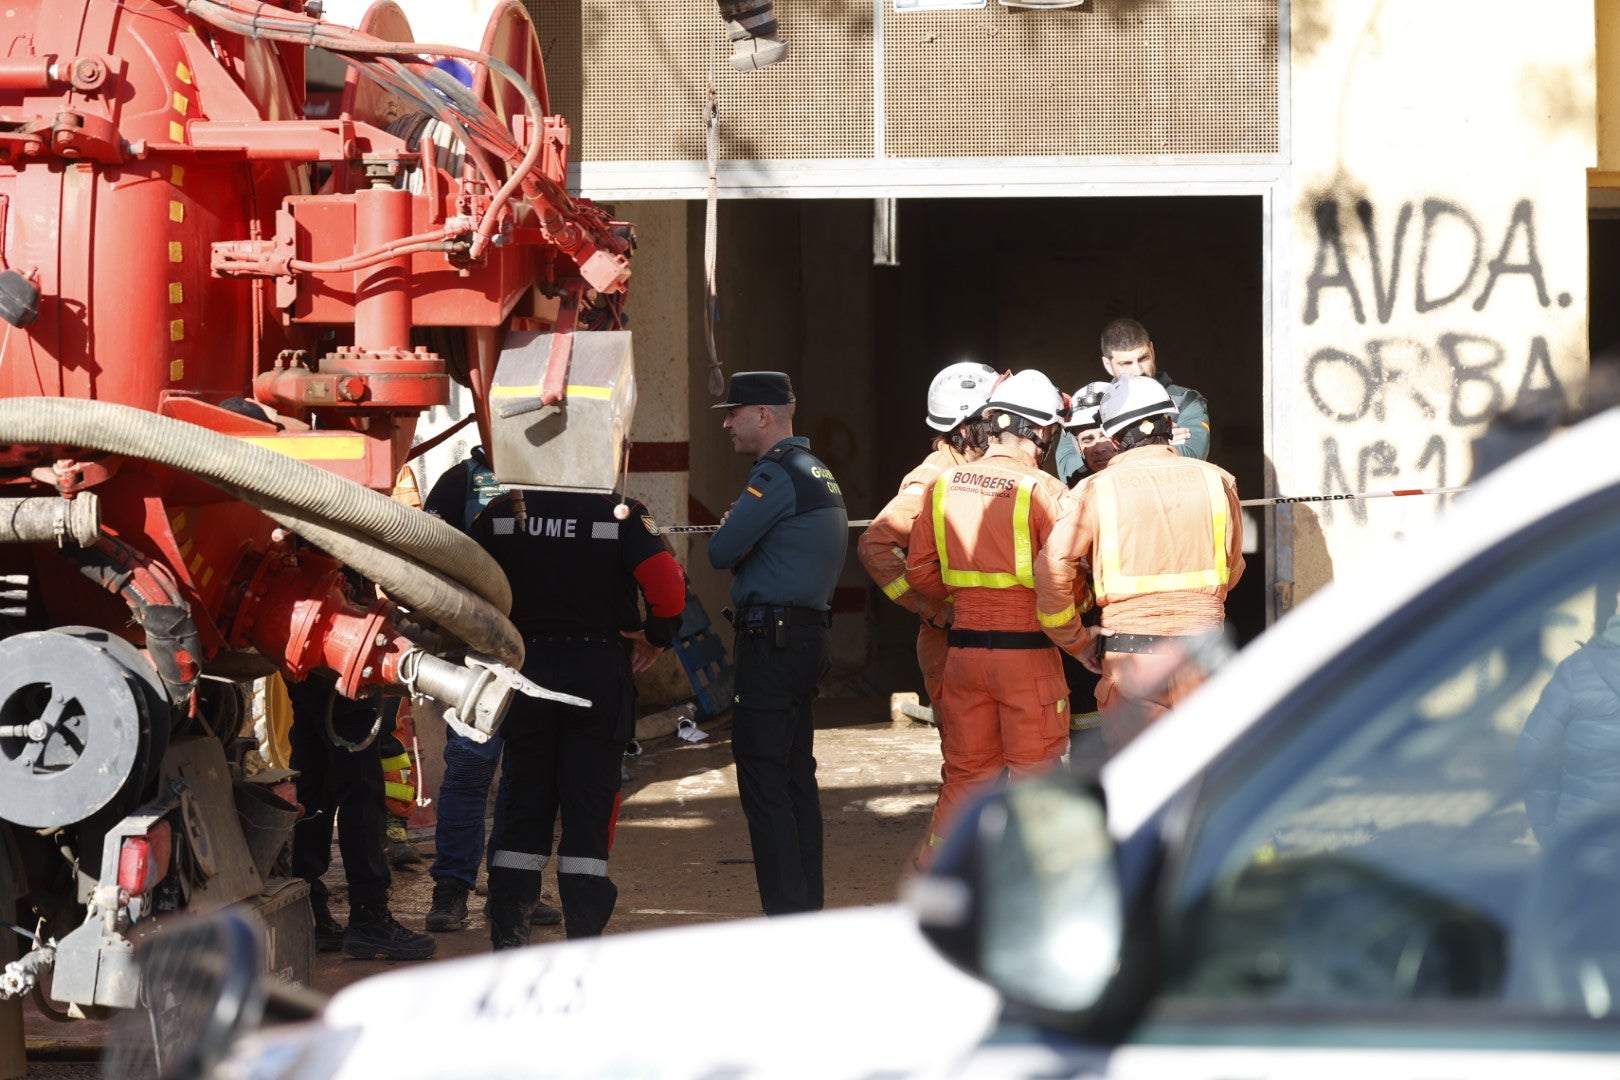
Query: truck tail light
144,860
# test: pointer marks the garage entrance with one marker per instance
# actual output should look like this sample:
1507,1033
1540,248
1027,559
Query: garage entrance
1015,282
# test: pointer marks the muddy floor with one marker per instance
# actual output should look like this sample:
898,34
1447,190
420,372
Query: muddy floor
681,853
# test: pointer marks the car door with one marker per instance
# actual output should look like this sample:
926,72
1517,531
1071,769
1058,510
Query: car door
1412,864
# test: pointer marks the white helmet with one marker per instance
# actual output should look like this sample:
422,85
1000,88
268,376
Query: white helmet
1029,394
1133,398
1087,399
958,393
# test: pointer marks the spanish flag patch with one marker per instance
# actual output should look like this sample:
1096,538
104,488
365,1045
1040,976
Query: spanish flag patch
755,492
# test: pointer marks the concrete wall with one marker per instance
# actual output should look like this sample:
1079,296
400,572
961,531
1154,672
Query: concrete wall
1435,251
796,283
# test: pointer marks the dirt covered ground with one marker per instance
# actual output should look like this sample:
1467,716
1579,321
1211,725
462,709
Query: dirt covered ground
681,852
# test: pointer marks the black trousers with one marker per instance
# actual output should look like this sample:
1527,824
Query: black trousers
773,743
333,781
564,758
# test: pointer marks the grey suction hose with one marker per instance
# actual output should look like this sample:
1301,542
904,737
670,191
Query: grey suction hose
260,477
385,559
454,607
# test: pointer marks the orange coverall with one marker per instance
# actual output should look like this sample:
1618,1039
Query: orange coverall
882,550
976,540
1162,537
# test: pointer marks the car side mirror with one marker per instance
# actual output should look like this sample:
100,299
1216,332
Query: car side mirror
1025,895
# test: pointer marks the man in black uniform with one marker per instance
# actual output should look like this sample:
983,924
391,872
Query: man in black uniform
785,539
333,740
575,566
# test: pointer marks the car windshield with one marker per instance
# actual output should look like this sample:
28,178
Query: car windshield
1434,820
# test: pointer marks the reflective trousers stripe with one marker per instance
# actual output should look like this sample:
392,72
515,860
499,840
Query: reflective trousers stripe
395,763
392,790
519,860
579,864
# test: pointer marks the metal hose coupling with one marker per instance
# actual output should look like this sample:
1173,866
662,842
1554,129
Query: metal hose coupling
477,691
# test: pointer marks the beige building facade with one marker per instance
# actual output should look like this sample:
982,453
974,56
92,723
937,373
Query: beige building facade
1360,229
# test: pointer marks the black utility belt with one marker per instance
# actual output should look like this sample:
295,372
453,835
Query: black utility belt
1134,643
761,621
761,615
576,637
999,639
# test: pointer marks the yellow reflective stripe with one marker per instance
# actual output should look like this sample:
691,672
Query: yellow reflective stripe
1109,580
897,588
313,445
398,791
1218,518
571,390
1023,549
1068,614
398,761
945,571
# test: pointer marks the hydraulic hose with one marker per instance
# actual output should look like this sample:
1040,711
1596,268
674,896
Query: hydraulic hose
370,532
260,477
456,608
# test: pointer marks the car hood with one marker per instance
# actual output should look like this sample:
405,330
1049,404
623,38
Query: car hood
845,993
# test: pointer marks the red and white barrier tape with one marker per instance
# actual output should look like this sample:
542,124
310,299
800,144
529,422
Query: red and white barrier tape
1274,501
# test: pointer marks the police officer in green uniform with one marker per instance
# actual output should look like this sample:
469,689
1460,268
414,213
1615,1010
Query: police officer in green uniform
785,539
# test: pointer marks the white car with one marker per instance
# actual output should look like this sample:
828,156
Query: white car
1320,865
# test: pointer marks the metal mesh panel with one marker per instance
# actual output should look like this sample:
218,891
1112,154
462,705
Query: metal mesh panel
1114,77
631,76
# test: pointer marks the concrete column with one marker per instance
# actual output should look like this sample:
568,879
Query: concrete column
1436,254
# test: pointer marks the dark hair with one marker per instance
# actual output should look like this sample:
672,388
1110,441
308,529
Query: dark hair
1132,435
969,435
1007,423
1122,335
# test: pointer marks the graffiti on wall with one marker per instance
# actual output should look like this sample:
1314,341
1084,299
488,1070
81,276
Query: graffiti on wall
1413,296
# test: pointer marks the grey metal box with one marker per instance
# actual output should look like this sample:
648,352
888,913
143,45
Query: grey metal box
289,924
579,446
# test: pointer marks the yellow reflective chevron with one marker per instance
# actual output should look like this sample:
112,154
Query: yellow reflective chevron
1023,548
1109,580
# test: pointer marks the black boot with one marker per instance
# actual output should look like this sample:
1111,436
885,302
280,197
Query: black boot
544,915
751,25
508,922
449,910
374,934
328,931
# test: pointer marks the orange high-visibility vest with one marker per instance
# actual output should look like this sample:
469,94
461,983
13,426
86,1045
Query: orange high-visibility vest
966,559
1146,545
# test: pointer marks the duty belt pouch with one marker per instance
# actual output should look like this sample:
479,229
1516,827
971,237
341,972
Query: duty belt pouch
779,627
753,622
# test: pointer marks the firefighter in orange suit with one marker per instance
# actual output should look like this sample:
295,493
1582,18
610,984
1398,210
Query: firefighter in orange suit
955,400
981,528
1162,538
